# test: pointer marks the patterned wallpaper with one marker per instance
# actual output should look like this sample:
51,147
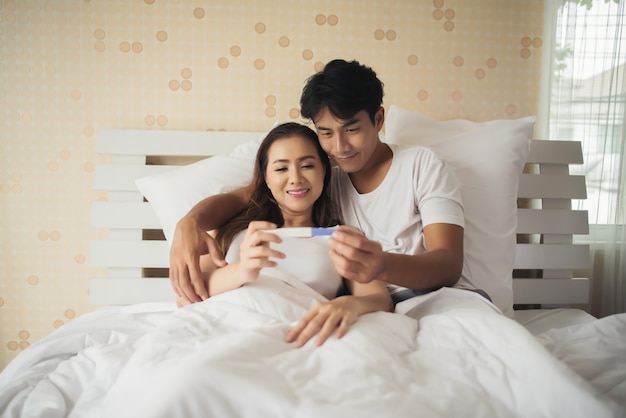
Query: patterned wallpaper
71,67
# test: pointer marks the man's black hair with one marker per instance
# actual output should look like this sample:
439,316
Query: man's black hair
345,88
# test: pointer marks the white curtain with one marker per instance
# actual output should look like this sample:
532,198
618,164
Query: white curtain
585,81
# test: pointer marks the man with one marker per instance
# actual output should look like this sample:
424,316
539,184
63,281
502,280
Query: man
407,202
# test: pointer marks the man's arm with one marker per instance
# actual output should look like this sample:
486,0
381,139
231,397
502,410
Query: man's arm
363,260
191,241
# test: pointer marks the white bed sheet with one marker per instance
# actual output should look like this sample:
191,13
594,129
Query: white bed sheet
538,321
226,357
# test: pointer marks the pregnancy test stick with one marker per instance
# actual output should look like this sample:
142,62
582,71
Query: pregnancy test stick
303,232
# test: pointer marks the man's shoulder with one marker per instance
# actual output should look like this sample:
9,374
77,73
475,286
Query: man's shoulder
410,149
413,153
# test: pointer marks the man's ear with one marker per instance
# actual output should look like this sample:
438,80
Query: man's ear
379,118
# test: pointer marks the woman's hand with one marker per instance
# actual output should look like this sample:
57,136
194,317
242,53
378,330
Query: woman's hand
255,251
325,319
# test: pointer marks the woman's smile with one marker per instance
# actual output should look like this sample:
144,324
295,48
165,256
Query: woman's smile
299,193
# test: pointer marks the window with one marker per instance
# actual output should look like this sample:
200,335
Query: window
588,98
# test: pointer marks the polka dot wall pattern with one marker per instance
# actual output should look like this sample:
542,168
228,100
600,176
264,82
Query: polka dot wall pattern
445,15
69,68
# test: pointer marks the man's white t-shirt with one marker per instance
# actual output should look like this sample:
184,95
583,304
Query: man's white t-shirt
419,189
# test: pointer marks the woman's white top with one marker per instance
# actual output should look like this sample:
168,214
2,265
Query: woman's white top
307,259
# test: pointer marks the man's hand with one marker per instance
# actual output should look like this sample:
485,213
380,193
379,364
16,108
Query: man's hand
189,243
355,257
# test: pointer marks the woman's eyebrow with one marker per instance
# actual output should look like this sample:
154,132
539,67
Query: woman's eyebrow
284,160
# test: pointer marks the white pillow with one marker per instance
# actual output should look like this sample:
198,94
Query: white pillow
488,159
173,193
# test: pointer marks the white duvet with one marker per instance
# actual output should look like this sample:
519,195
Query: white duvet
225,357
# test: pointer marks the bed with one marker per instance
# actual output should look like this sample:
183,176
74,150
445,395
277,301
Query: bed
139,356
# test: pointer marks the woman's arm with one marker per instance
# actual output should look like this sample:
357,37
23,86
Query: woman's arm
336,316
226,278
191,241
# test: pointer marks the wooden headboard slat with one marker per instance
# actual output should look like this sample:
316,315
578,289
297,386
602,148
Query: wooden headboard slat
551,291
555,152
552,221
562,186
121,215
126,253
551,256
122,177
172,143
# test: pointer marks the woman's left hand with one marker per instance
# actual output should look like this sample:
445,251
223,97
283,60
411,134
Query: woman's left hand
324,319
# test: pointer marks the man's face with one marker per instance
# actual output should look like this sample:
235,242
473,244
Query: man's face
349,142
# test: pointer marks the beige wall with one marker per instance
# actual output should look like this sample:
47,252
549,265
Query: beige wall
71,67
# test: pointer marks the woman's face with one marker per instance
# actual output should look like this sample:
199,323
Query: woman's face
295,176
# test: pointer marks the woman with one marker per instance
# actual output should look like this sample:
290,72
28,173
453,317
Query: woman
290,189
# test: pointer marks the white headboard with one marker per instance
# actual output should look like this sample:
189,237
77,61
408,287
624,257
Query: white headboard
137,264
548,216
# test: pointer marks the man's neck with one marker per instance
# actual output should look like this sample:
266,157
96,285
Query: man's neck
372,175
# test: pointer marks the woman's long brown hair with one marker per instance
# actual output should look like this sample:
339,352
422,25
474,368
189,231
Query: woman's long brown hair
262,206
